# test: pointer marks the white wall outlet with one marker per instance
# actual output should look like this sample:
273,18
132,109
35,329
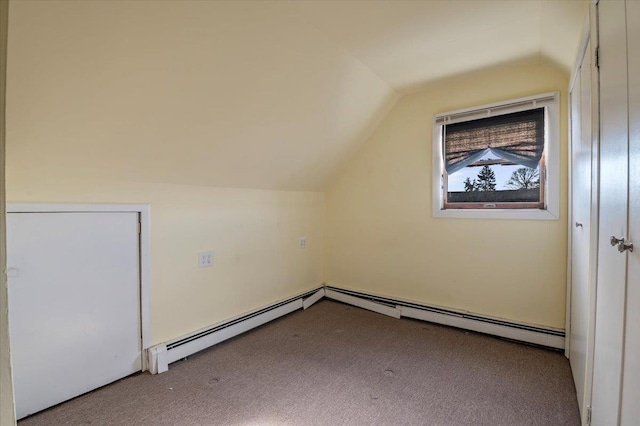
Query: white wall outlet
205,259
303,242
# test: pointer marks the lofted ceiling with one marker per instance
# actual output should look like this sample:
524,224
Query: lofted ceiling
273,95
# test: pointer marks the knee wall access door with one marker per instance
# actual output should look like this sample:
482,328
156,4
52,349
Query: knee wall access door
74,303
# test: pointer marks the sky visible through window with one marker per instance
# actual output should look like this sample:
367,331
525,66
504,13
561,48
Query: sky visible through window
503,173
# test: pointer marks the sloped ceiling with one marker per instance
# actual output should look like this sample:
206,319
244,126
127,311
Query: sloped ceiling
410,43
274,95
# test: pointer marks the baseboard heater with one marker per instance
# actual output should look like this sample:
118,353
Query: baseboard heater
160,356
543,336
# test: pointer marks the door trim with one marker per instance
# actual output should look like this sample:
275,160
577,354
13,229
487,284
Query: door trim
590,33
144,214
595,200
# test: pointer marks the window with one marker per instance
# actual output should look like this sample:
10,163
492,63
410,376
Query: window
499,160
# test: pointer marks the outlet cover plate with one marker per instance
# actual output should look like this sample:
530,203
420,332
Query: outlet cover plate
205,259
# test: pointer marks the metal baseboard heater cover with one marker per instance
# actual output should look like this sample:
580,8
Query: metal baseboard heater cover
160,356
543,336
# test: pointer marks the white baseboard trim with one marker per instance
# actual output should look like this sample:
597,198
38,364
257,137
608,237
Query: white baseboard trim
160,356
363,303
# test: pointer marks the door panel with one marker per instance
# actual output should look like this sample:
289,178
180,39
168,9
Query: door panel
74,303
581,222
607,374
631,377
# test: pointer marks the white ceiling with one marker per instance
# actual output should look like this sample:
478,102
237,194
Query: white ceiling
275,95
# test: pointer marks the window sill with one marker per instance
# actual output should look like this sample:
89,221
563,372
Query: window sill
520,214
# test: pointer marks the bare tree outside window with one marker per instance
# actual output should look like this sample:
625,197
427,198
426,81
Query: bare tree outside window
524,178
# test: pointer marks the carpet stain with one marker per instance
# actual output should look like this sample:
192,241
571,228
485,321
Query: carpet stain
389,373
214,380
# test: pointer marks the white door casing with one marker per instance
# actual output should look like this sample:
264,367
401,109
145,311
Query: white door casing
74,292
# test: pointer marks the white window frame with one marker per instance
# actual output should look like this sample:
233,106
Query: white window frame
551,101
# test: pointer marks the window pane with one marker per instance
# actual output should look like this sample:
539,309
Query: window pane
496,183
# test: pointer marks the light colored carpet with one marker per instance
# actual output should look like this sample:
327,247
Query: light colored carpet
339,365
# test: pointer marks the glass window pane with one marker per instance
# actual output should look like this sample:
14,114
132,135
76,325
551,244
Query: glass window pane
494,183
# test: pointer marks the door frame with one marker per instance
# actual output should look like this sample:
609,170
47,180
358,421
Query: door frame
144,215
577,64
595,199
590,33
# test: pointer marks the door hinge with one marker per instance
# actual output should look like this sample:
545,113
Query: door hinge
598,57
588,415
139,228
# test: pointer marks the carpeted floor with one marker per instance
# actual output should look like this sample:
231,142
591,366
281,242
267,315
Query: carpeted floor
339,365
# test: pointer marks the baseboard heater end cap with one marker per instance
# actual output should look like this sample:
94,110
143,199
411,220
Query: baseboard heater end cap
158,361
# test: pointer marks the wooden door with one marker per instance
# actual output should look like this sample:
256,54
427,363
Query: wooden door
581,148
74,304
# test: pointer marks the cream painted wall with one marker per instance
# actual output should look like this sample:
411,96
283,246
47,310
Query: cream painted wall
7,412
382,238
139,102
143,102
254,234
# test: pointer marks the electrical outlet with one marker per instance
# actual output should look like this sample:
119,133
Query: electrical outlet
303,242
205,259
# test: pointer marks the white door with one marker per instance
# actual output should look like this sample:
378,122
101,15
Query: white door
630,413
581,222
74,303
614,174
